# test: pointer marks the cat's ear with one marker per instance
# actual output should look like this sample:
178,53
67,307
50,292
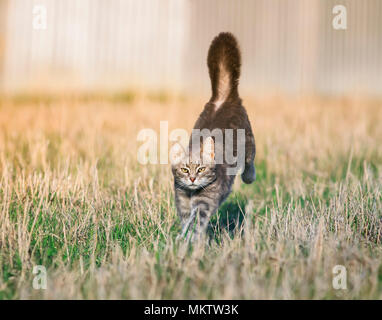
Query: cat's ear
177,153
208,150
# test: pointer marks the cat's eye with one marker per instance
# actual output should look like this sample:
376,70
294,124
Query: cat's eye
201,169
184,170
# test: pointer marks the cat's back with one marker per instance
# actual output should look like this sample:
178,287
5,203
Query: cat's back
231,115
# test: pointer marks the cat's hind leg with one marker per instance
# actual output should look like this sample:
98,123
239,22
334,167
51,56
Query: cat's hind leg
249,173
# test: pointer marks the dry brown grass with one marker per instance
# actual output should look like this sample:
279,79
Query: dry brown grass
74,199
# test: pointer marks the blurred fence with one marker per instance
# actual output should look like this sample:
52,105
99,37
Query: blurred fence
287,45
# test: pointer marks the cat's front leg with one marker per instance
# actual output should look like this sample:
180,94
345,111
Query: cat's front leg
183,208
195,212
194,227
202,209
187,224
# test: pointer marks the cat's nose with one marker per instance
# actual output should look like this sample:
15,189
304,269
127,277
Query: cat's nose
192,179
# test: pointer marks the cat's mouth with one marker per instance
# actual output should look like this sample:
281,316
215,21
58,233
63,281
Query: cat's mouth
195,186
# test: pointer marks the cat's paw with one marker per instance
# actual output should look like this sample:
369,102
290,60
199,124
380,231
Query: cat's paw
179,237
197,238
249,174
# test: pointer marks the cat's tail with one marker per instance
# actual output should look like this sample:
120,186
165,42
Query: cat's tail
224,67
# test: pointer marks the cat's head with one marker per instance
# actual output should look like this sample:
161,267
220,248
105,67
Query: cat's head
191,171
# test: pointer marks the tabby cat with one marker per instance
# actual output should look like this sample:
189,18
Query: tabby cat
202,184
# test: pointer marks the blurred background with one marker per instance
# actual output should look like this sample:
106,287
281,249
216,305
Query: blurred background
287,45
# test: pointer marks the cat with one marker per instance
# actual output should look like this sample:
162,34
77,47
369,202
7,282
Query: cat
201,183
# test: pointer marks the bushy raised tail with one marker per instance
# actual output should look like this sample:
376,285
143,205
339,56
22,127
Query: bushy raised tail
224,63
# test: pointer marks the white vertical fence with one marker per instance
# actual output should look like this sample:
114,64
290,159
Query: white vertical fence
287,45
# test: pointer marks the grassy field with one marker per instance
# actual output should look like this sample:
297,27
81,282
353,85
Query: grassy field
74,199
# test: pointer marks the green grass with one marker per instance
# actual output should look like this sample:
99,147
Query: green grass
105,227
62,237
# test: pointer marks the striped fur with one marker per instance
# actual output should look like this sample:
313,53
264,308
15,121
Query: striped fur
199,193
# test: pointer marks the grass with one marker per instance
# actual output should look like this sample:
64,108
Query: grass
74,199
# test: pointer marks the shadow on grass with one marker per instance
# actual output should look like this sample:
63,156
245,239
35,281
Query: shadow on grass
229,218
